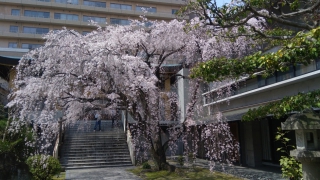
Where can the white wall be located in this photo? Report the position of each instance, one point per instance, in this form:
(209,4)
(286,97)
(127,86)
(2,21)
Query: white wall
(183,90)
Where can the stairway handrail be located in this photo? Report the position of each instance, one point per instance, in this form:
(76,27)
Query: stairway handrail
(57,145)
(131,147)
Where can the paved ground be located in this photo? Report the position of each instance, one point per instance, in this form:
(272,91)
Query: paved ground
(114,173)
(261,173)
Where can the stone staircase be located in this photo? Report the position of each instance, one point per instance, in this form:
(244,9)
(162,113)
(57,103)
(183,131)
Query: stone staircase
(84,148)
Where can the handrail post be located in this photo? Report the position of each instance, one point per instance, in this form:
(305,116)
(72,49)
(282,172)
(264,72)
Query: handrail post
(60,130)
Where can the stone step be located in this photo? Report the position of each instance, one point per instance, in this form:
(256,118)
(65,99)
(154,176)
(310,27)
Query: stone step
(94,139)
(96,153)
(95,163)
(109,160)
(91,131)
(84,148)
(115,138)
(69,167)
(91,152)
(74,148)
(97,159)
(70,147)
(95,144)
(126,155)
(97,133)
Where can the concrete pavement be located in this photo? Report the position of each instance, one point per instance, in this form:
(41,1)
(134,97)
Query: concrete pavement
(112,173)
(122,173)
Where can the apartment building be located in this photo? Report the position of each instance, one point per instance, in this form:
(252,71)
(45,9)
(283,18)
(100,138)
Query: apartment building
(22,22)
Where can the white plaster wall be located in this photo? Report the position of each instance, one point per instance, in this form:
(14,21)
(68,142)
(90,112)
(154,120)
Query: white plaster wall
(183,90)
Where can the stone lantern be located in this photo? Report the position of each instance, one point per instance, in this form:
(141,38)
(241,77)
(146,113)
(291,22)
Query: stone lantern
(307,131)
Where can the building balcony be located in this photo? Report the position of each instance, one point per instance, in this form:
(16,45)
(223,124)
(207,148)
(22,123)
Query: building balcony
(12,18)
(83,8)
(162,2)
(20,35)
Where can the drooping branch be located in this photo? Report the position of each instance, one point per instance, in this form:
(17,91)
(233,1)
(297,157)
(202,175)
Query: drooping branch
(297,15)
(283,21)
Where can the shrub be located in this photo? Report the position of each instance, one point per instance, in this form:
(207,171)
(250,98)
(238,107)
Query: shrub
(146,165)
(43,167)
(180,160)
(14,148)
(290,167)
(191,157)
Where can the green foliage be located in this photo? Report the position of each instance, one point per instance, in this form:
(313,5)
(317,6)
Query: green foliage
(3,120)
(13,149)
(278,109)
(302,49)
(146,165)
(191,157)
(290,167)
(43,167)
(180,160)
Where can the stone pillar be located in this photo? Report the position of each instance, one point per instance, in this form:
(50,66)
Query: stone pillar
(307,129)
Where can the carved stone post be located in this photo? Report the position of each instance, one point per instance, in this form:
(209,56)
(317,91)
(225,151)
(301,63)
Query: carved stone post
(307,130)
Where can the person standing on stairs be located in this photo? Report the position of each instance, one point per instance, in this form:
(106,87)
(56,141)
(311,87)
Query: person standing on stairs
(97,117)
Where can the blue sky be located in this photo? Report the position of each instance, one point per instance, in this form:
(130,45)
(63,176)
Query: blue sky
(221,2)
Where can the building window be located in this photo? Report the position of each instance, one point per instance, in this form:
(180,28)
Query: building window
(15,12)
(44,0)
(30,46)
(34,30)
(38,14)
(85,32)
(94,3)
(67,1)
(70,17)
(174,11)
(119,21)
(14,29)
(93,18)
(144,8)
(12,45)
(148,24)
(120,6)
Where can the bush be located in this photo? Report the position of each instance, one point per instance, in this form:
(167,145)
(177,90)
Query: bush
(14,149)
(191,157)
(290,167)
(146,165)
(180,160)
(43,167)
